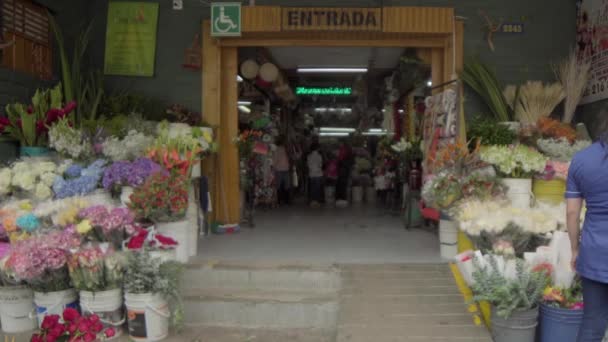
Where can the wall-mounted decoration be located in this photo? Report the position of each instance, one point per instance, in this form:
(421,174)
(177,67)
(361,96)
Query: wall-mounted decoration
(269,72)
(131,38)
(592,46)
(491,27)
(250,69)
(192,56)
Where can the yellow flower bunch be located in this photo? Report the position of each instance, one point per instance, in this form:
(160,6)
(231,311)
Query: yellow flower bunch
(84,227)
(70,214)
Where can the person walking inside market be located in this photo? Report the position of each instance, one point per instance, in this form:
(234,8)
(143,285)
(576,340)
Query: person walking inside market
(281,168)
(315,175)
(345,162)
(588,182)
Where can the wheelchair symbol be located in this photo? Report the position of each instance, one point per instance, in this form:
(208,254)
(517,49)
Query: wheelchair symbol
(224,24)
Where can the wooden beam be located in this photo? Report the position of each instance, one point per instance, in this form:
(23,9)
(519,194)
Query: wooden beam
(399,42)
(437,68)
(228,207)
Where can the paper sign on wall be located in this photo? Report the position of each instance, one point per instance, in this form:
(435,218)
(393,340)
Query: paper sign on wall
(131,38)
(592,45)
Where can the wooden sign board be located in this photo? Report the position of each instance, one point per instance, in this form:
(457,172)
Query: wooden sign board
(331,19)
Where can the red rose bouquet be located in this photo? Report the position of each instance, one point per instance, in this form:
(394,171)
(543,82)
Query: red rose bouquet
(74,328)
(162,198)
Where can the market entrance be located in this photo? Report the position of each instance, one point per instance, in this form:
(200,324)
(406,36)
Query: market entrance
(433,33)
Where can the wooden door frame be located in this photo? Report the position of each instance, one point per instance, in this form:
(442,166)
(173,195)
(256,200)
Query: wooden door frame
(435,32)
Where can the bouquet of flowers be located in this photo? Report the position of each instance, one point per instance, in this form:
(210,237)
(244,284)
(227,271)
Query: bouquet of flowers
(33,179)
(555,170)
(150,240)
(73,328)
(442,191)
(61,212)
(182,115)
(132,146)
(133,174)
(96,268)
(568,298)
(455,157)
(482,186)
(162,198)
(69,141)
(29,124)
(551,128)
(561,149)
(101,224)
(80,181)
(176,153)
(514,161)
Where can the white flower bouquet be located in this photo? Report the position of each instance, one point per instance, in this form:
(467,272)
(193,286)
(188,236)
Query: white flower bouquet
(514,161)
(132,146)
(561,149)
(69,142)
(31,178)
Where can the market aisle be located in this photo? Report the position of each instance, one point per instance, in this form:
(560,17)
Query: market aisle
(356,235)
(404,303)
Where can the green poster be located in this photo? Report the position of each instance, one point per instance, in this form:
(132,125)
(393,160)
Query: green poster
(131,38)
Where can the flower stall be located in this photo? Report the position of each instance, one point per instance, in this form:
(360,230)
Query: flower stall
(518,269)
(94,222)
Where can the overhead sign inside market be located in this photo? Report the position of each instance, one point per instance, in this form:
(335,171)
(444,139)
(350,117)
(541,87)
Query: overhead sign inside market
(332,19)
(226,19)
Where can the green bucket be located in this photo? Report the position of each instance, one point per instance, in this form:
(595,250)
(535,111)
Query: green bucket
(33,151)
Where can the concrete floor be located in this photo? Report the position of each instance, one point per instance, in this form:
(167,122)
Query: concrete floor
(362,235)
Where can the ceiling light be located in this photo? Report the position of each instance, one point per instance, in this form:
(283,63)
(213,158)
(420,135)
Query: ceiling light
(332,70)
(325,109)
(244,103)
(337,129)
(245,109)
(429,83)
(376,130)
(334,134)
(400,110)
(239,78)
(374,133)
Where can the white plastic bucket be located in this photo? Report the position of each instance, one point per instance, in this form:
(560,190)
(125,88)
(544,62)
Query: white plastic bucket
(147,316)
(357,193)
(180,232)
(519,192)
(107,305)
(17,309)
(448,239)
(53,303)
(125,195)
(370,195)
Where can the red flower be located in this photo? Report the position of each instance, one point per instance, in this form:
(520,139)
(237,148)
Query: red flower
(58,330)
(70,315)
(50,321)
(97,327)
(51,338)
(84,326)
(110,332)
(30,109)
(89,337)
(40,127)
(72,328)
(36,338)
(69,107)
(165,240)
(93,318)
(136,242)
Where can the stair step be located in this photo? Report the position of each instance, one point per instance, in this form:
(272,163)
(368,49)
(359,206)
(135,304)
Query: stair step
(261,277)
(261,309)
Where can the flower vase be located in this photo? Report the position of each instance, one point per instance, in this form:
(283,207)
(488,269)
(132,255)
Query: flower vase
(551,191)
(519,327)
(180,232)
(519,192)
(34,151)
(125,195)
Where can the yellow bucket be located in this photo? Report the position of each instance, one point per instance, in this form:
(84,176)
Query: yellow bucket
(549,191)
(484,307)
(464,243)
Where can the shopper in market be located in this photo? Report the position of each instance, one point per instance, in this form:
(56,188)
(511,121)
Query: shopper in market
(588,182)
(315,175)
(345,163)
(281,168)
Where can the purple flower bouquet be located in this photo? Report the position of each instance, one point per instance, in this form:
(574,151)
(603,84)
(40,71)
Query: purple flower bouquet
(133,174)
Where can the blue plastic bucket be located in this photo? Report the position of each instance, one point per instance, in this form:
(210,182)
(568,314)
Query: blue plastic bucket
(33,151)
(558,325)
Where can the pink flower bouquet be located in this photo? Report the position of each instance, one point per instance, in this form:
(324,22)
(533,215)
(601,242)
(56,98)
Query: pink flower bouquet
(106,225)
(96,268)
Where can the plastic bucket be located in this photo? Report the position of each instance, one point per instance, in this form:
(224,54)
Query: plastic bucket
(105,304)
(448,239)
(53,303)
(519,192)
(33,151)
(558,325)
(357,193)
(178,231)
(549,191)
(370,195)
(519,327)
(16,309)
(147,316)
(330,195)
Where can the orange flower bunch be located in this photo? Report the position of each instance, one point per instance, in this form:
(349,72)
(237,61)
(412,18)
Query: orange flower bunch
(251,133)
(454,155)
(551,128)
(172,160)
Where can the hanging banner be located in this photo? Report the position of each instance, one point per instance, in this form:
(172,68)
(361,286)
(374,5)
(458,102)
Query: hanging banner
(592,45)
(131,38)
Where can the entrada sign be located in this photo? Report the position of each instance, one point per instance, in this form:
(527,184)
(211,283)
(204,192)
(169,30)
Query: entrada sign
(334,19)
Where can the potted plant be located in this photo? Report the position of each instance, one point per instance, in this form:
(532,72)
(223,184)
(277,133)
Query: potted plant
(29,124)
(517,164)
(561,313)
(489,132)
(163,199)
(151,288)
(514,301)
(97,273)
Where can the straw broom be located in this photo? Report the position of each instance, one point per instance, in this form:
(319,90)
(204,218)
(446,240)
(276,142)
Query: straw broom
(573,77)
(535,100)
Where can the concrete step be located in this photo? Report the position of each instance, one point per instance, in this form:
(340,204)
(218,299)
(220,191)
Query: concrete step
(257,276)
(261,309)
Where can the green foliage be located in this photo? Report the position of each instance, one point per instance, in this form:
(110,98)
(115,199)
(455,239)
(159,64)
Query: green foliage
(123,103)
(508,296)
(484,82)
(490,132)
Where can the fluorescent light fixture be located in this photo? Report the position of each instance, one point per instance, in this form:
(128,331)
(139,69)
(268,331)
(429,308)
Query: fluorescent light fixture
(325,109)
(337,129)
(245,109)
(400,110)
(244,103)
(332,70)
(239,78)
(429,83)
(376,130)
(334,134)
(374,133)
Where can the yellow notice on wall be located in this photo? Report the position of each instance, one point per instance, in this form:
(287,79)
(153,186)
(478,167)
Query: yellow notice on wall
(131,38)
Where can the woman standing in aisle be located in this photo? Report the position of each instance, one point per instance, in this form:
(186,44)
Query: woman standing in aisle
(588,181)
(281,168)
